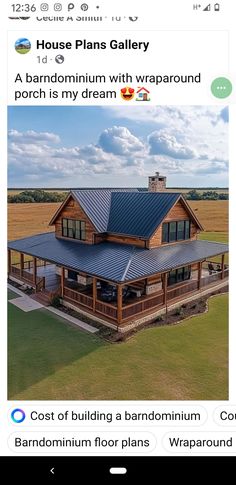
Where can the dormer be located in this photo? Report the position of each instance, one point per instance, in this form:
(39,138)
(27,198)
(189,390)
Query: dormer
(72,222)
(142,219)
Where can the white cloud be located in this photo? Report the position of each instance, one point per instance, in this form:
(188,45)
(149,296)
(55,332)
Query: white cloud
(119,141)
(31,136)
(184,142)
(177,117)
(164,144)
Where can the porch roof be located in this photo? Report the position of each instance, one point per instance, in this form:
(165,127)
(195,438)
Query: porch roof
(116,262)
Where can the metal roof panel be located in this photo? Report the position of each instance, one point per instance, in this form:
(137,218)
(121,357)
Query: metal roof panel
(116,262)
(96,204)
(139,214)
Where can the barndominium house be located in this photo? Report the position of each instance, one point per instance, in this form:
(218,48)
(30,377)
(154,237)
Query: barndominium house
(120,256)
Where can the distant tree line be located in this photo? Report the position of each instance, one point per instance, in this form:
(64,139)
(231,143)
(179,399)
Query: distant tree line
(37,195)
(40,195)
(207,195)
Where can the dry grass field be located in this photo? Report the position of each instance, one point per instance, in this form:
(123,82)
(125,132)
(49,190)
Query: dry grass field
(29,219)
(213,214)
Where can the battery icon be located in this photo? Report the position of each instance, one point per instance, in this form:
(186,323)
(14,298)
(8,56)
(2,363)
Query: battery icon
(217,7)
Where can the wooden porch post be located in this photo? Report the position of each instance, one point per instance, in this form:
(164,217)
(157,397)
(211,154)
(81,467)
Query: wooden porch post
(62,281)
(94,293)
(222,266)
(165,288)
(34,271)
(199,279)
(21,264)
(119,304)
(9,260)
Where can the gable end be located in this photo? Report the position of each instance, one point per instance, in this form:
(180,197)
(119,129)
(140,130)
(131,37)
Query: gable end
(71,209)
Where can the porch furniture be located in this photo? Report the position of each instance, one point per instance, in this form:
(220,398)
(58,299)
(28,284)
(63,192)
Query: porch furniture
(211,269)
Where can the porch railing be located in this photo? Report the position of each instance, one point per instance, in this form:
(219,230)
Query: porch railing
(40,285)
(142,305)
(24,276)
(226,273)
(207,280)
(101,307)
(181,289)
(106,309)
(77,297)
(30,264)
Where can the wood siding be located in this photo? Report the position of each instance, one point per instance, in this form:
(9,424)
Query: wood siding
(120,239)
(72,210)
(177,213)
(152,280)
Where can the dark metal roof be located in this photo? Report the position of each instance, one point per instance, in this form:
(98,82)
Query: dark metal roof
(166,258)
(126,211)
(96,204)
(139,214)
(116,262)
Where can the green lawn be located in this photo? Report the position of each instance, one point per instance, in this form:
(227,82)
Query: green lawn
(214,236)
(11,294)
(48,359)
(222,237)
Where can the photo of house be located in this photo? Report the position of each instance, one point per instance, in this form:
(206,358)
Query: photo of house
(121,256)
(117,253)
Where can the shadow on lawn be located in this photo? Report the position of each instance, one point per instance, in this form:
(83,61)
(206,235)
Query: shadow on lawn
(36,347)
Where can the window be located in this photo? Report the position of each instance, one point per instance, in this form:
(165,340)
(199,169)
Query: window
(77,230)
(172,231)
(178,275)
(83,230)
(64,228)
(180,230)
(187,273)
(171,278)
(70,227)
(175,231)
(187,229)
(74,229)
(72,275)
(165,232)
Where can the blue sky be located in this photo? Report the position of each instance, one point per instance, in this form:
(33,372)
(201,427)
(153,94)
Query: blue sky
(117,146)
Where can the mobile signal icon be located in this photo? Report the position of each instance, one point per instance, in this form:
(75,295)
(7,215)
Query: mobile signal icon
(207,8)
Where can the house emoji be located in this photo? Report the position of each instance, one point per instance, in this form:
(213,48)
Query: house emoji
(143,94)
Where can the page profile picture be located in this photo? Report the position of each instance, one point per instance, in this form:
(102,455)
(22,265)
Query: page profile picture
(22,45)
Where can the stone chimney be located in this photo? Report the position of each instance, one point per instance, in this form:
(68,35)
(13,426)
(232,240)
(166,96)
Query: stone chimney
(157,183)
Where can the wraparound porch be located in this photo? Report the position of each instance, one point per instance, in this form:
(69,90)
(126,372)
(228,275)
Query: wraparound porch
(117,303)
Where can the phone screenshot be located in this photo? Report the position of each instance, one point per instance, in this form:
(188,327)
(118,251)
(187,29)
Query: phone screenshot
(117,353)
